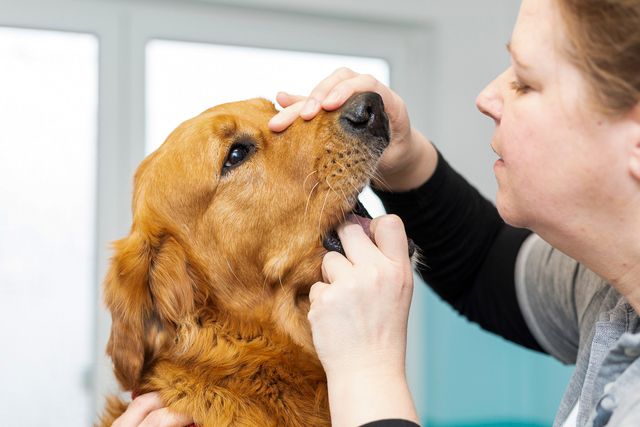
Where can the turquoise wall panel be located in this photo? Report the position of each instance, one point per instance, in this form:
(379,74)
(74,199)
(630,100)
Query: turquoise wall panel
(474,378)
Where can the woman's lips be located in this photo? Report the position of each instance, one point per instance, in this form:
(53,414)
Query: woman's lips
(495,150)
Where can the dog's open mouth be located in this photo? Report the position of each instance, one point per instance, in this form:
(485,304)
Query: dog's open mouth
(359,214)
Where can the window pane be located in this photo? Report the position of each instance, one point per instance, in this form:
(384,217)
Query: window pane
(48,112)
(185,78)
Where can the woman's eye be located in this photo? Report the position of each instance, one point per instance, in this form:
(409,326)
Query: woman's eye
(520,88)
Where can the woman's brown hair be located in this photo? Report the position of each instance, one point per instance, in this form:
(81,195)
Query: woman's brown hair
(604,42)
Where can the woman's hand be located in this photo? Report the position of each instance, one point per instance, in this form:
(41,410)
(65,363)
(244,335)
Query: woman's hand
(148,410)
(359,319)
(408,161)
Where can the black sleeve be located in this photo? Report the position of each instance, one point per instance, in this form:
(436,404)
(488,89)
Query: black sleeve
(391,423)
(468,253)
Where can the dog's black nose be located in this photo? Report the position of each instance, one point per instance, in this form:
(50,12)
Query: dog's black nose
(363,114)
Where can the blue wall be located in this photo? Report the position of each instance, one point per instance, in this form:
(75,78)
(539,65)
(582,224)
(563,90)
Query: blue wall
(474,378)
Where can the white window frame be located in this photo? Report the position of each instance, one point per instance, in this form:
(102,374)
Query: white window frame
(123,30)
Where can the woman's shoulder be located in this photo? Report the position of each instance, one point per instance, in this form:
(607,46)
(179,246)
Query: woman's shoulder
(560,275)
(561,299)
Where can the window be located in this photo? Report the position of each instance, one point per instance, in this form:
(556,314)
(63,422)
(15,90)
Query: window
(48,114)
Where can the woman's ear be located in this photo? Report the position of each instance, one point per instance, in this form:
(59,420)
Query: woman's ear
(149,291)
(634,158)
(634,162)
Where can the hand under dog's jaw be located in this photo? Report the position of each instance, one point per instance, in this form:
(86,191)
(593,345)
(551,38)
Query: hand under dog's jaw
(359,215)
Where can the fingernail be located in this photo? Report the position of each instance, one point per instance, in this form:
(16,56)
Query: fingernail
(348,227)
(309,107)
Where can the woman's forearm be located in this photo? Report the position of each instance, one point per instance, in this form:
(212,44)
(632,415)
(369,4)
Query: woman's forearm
(358,397)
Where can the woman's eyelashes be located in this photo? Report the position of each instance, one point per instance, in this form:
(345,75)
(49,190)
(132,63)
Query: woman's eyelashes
(519,87)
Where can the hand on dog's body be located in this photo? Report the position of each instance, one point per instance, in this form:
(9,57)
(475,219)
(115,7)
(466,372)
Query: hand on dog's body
(148,410)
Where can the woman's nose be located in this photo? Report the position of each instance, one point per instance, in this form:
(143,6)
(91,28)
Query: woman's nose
(490,100)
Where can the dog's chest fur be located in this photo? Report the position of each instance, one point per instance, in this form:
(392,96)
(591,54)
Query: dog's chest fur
(256,378)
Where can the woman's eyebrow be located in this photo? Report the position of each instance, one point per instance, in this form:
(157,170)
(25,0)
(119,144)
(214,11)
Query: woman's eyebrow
(515,56)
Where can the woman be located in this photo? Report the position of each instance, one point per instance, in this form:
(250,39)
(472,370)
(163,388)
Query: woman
(567,116)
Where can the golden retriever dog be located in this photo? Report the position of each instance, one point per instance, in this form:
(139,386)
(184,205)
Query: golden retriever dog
(209,291)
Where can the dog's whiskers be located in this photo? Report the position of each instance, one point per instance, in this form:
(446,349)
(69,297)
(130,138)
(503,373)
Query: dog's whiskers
(305,180)
(344,215)
(336,193)
(306,206)
(322,210)
(380,180)
(357,191)
(341,165)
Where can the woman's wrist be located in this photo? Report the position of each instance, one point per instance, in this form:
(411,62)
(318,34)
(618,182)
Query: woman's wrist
(360,396)
(415,169)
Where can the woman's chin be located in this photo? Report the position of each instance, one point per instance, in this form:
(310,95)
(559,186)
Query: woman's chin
(508,212)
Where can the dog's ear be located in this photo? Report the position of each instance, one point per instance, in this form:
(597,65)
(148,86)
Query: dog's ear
(148,290)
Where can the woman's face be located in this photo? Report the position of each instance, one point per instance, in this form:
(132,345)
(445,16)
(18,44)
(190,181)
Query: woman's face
(556,153)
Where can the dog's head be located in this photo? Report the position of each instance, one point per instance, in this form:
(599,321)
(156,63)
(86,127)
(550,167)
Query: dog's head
(229,220)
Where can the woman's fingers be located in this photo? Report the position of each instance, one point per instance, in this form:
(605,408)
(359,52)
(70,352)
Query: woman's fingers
(305,107)
(322,89)
(330,94)
(148,410)
(284,118)
(139,409)
(335,266)
(285,99)
(390,237)
(342,90)
(356,244)
(165,418)
(317,289)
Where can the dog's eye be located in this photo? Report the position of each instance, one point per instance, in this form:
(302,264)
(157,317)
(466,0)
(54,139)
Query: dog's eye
(237,154)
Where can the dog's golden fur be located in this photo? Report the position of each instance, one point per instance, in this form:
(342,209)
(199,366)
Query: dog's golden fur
(209,291)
